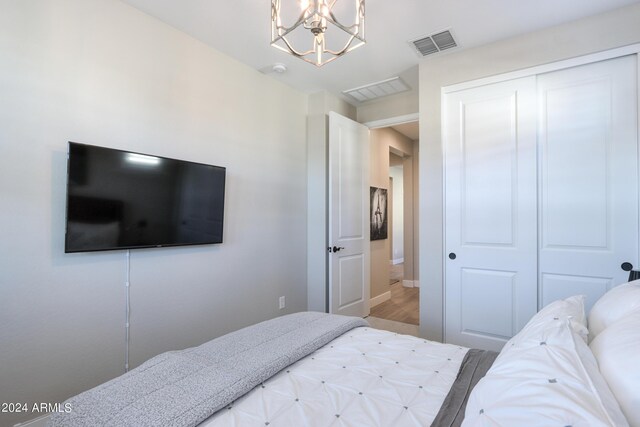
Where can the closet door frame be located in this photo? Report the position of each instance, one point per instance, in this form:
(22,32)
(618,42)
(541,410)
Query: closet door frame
(633,49)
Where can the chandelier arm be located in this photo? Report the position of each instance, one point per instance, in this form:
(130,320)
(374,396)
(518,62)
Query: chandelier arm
(283,31)
(297,54)
(330,6)
(349,30)
(293,51)
(342,51)
(332,17)
(353,30)
(359,13)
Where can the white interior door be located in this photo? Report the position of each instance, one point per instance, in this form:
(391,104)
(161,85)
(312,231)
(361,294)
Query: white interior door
(348,239)
(588,178)
(491,212)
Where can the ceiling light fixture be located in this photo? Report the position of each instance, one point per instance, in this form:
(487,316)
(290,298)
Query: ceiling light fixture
(316,16)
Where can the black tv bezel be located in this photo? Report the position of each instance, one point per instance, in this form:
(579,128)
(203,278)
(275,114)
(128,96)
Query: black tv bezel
(126,248)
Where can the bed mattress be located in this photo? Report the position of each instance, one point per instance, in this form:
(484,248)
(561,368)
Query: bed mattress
(366,377)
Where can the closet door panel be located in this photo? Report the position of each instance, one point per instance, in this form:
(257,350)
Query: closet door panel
(488,143)
(560,286)
(588,178)
(490,188)
(575,165)
(476,285)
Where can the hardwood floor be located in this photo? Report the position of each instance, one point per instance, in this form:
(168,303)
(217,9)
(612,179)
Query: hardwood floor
(392,326)
(404,305)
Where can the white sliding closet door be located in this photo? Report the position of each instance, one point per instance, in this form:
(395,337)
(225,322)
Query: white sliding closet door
(588,176)
(491,212)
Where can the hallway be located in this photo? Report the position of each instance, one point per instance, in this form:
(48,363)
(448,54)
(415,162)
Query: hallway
(404,305)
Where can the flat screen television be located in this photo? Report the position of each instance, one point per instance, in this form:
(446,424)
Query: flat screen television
(124,200)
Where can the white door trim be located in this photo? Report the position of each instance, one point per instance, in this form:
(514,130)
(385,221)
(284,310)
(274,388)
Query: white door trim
(637,266)
(546,68)
(393,121)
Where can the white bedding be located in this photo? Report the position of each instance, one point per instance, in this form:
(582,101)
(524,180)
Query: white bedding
(365,377)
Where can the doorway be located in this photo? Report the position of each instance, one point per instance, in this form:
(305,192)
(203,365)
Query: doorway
(394,280)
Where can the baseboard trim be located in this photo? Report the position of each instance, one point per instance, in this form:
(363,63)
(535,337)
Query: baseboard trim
(380,299)
(36,422)
(411,283)
(397,261)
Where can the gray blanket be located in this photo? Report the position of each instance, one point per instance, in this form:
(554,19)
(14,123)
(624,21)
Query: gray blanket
(474,366)
(183,388)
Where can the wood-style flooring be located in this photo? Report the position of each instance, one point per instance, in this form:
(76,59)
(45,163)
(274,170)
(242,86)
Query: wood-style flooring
(404,305)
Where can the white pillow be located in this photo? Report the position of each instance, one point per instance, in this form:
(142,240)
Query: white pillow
(554,382)
(558,312)
(617,350)
(614,305)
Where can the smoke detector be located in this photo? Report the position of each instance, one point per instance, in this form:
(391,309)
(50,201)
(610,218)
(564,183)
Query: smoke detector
(279,68)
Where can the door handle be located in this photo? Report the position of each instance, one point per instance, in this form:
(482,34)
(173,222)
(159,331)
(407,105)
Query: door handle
(626,266)
(452,256)
(335,249)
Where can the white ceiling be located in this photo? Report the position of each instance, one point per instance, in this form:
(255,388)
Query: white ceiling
(241,29)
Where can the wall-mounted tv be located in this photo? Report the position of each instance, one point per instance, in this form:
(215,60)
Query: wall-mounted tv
(124,200)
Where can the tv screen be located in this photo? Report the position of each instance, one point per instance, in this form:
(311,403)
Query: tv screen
(125,200)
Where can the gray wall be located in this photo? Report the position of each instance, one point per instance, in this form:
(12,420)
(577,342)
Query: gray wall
(614,29)
(100,72)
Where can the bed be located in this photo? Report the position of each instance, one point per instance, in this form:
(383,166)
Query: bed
(315,369)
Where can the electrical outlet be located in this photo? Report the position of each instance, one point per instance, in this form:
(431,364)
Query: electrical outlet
(281,302)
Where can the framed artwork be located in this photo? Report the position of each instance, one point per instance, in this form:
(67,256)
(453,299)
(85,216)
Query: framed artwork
(378,213)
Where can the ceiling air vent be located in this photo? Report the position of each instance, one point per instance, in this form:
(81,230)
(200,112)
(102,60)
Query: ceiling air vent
(434,43)
(377,90)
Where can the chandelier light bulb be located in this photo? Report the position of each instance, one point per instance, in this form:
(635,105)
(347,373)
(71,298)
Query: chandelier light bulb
(325,10)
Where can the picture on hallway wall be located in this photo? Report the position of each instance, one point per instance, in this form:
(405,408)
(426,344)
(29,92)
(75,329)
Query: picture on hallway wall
(378,211)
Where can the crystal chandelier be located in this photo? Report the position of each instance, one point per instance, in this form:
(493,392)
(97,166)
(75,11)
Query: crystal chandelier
(292,24)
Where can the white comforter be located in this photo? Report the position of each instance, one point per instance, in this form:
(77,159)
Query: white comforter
(366,377)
